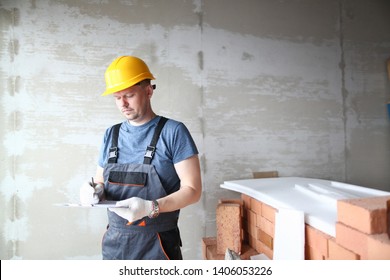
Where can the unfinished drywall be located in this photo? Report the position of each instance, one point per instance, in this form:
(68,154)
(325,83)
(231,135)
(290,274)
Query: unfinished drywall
(296,86)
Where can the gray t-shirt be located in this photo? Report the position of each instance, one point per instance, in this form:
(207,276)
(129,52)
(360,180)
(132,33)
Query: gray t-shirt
(174,145)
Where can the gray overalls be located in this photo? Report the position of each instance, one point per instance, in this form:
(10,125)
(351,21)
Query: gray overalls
(141,239)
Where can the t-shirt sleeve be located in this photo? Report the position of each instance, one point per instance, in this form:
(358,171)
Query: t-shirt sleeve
(103,149)
(183,144)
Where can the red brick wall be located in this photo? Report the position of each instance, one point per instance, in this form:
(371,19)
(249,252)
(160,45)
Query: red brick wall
(361,230)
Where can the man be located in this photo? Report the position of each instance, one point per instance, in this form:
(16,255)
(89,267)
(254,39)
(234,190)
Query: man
(148,164)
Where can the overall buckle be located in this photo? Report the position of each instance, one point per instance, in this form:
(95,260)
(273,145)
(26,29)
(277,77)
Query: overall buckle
(113,152)
(149,152)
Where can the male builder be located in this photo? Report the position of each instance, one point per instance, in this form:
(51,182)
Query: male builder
(148,164)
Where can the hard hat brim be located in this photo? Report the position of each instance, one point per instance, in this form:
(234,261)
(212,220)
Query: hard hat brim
(128,84)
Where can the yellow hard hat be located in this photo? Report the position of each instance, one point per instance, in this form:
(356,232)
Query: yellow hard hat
(124,72)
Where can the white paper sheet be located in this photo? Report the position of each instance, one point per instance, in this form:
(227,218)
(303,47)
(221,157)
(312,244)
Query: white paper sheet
(101,204)
(289,240)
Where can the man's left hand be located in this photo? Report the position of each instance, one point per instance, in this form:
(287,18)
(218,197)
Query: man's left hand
(136,208)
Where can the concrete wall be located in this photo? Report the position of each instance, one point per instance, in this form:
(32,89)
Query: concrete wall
(296,86)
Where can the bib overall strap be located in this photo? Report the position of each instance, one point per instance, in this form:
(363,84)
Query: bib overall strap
(152,147)
(113,154)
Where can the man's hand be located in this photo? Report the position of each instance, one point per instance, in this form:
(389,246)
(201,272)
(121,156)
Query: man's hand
(136,208)
(91,193)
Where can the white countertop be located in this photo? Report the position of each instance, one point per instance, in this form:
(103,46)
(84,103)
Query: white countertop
(317,198)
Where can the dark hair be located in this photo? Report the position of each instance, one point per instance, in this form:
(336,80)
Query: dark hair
(145,82)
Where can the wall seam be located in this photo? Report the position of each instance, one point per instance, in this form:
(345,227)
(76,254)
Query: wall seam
(13,157)
(344,92)
(202,104)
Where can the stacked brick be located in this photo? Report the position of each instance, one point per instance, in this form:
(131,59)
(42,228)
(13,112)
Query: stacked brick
(245,226)
(229,226)
(229,219)
(362,231)
(259,225)
(362,227)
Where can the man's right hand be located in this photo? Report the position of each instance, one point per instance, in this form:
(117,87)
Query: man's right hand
(90,194)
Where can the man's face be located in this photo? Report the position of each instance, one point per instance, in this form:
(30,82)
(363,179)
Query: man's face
(134,102)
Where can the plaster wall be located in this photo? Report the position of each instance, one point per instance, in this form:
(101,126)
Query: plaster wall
(295,86)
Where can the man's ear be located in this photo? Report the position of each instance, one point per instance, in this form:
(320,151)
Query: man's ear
(149,90)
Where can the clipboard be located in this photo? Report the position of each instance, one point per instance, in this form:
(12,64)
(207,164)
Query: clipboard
(101,204)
